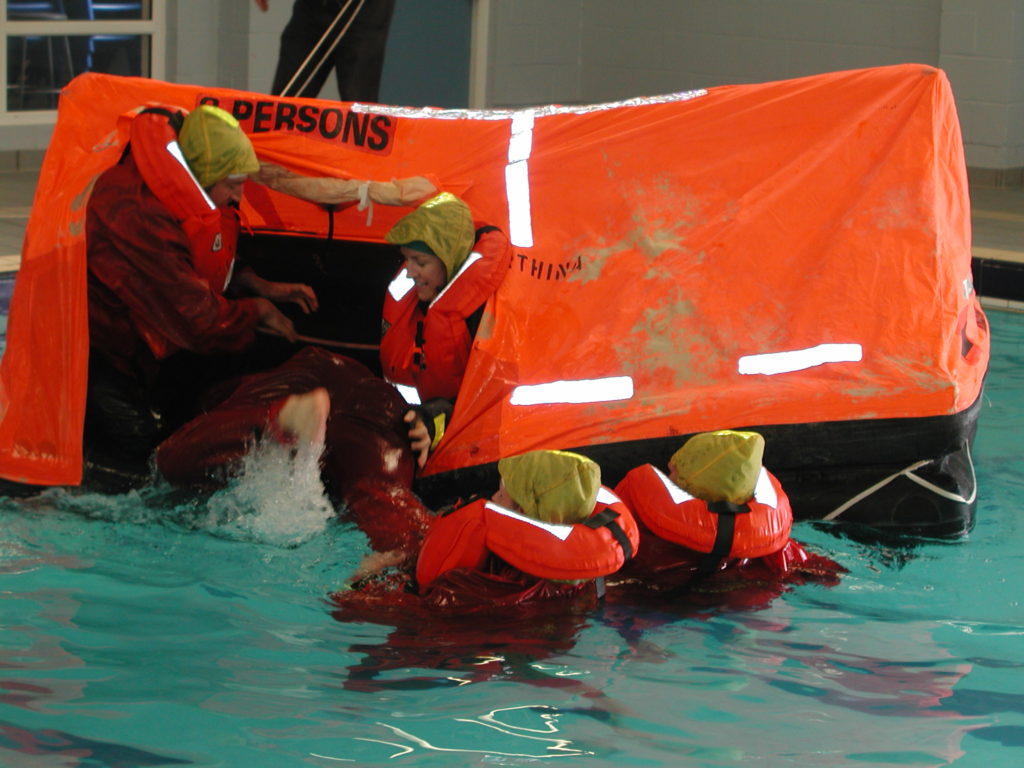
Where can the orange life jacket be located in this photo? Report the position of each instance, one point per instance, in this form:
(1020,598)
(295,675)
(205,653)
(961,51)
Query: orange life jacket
(588,550)
(758,528)
(212,231)
(428,349)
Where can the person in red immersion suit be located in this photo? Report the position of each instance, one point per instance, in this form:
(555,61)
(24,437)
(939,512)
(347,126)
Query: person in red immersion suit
(160,326)
(329,400)
(551,531)
(433,307)
(718,519)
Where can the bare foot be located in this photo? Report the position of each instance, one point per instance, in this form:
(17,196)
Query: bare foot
(305,416)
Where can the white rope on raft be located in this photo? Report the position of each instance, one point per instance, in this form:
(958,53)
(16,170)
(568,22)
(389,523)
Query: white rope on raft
(908,472)
(324,342)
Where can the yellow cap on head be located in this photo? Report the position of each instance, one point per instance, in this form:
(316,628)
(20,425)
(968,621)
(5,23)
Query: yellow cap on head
(215,146)
(445,224)
(552,486)
(720,466)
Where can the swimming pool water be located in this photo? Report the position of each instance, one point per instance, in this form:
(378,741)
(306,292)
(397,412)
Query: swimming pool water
(150,629)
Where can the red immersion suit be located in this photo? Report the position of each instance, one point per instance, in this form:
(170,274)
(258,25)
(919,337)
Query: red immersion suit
(367,461)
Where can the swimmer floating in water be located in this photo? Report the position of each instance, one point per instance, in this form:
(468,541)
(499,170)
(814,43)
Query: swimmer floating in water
(719,513)
(551,530)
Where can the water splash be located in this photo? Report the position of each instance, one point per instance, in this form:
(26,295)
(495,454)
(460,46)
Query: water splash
(277,498)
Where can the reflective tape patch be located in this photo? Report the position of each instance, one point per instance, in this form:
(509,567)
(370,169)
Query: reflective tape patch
(175,149)
(800,359)
(559,531)
(577,391)
(401,285)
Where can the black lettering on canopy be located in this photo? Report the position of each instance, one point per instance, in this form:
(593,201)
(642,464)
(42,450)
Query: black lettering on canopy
(327,130)
(285,118)
(308,115)
(355,127)
(363,131)
(379,126)
(264,116)
(241,110)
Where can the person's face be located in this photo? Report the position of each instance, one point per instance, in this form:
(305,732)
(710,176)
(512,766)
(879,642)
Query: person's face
(673,475)
(227,192)
(502,498)
(426,271)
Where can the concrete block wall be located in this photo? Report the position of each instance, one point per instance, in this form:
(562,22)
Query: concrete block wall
(601,50)
(580,51)
(982,51)
(226,43)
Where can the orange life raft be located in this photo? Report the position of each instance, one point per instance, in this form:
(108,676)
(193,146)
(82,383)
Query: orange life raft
(644,233)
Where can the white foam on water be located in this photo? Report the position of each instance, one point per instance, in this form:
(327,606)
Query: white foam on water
(276,498)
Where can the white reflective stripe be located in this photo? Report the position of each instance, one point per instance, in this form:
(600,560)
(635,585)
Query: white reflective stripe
(175,152)
(472,259)
(578,391)
(764,491)
(517,179)
(678,494)
(800,359)
(605,496)
(400,285)
(520,146)
(517,187)
(411,394)
(230,274)
(559,531)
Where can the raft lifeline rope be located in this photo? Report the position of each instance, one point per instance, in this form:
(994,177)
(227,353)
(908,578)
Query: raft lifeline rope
(326,54)
(365,202)
(908,473)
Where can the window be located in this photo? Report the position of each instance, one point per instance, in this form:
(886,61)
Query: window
(45,43)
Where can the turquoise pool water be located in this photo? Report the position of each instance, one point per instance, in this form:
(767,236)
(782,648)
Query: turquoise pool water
(145,630)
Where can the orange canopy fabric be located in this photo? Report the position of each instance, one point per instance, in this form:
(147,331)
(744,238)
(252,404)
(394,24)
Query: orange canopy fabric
(788,252)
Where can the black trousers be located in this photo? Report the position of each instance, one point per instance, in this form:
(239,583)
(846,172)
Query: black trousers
(358,59)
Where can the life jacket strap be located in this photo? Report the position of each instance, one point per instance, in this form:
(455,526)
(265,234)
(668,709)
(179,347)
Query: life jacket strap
(727,512)
(607,518)
(176,118)
(417,354)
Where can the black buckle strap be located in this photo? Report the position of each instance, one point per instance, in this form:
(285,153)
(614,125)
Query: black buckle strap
(607,518)
(417,356)
(175,117)
(727,512)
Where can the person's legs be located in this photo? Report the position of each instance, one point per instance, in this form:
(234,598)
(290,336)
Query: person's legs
(120,425)
(367,462)
(286,403)
(309,20)
(359,58)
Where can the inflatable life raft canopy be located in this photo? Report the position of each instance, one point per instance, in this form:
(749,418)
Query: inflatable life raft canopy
(792,257)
